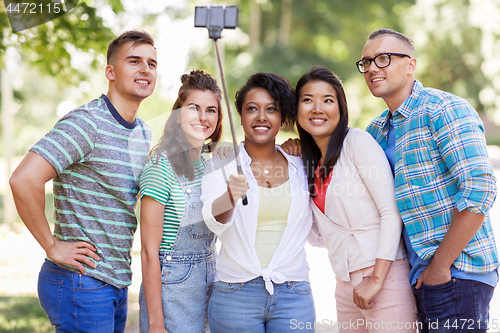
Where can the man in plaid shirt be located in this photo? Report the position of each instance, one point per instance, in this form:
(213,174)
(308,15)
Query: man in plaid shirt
(444,183)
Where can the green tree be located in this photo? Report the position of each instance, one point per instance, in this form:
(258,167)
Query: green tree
(287,37)
(457,43)
(45,47)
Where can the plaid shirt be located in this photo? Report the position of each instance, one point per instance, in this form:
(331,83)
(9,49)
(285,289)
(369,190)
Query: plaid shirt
(441,163)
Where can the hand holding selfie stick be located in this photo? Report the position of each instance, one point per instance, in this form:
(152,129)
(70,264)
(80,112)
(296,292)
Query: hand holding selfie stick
(216,18)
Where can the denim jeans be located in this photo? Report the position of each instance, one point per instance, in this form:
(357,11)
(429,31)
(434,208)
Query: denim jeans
(187,272)
(77,303)
(248,307)
(455,306)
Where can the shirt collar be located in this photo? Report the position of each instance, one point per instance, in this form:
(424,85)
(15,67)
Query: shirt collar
(404,109)
(117,115)
(409,104)
(383,123)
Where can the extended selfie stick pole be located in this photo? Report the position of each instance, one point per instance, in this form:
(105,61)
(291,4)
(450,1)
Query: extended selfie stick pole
(216,18)
(229,113)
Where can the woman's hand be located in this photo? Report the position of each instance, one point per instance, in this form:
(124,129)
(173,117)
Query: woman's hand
(223,152)
(292,147)
(364,292)
(237,186)
(223,206)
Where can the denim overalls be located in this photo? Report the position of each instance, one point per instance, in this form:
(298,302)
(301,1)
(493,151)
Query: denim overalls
(187,271)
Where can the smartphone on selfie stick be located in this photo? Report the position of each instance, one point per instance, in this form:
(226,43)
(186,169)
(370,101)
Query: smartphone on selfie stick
(216,18)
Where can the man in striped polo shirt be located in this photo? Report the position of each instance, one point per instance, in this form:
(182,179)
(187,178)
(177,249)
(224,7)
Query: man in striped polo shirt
(94,155)
(445,187)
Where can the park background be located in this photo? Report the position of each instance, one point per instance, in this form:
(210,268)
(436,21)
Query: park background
(50,69)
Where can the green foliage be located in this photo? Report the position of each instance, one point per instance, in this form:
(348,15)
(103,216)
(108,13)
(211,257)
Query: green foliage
(49,49)
(327,33)
(450,45)
(116,5)
(322,33)
(457,43)
(451,56)
(45,46)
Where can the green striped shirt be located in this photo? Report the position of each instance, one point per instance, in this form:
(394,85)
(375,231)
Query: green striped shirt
(159,181)
(99,158)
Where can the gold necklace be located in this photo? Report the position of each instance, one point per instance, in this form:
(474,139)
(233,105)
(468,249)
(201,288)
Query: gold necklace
(266,171)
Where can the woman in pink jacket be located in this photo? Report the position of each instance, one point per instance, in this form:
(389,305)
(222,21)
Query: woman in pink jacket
(352,197)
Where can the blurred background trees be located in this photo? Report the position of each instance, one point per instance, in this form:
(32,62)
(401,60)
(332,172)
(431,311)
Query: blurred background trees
(456,42)
(57,66)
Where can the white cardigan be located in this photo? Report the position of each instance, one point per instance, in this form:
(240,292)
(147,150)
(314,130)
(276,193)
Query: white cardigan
(238,260)
(361,221)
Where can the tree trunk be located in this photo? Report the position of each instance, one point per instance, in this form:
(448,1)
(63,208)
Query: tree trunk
(255,19)
(9,211)
(286,23)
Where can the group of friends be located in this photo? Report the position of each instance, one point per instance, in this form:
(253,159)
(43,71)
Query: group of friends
(402,207)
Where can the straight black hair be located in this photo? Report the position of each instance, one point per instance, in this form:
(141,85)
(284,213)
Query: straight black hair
(311,154)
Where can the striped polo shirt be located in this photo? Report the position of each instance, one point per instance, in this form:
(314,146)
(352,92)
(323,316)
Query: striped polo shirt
(99,158)
(159,181)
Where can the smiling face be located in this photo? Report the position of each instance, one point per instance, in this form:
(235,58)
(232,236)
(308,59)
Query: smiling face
(260,117)
(393,83)
(133,71)
(318,111)
(199,116)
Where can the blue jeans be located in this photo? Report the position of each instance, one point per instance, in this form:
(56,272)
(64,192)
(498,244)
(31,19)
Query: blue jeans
(248,307)
(455,306)
(77,303)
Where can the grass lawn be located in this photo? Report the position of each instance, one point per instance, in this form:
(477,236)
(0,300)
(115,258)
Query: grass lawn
(23,314)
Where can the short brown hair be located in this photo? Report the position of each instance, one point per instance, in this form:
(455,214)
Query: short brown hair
(398,35)
(134,36)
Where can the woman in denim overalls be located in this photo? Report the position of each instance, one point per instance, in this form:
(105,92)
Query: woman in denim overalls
(176,288)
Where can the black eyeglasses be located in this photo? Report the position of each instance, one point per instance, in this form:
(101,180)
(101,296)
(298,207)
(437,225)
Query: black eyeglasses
(381,61)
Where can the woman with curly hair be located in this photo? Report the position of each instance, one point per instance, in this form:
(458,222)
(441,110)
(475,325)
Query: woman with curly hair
(261,282)
(176,286)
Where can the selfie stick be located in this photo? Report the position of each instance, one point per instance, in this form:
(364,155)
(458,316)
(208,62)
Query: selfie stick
(215,16)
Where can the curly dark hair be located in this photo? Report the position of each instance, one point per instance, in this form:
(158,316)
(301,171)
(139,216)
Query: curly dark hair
(280,90)
(311,155)
(173,140)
